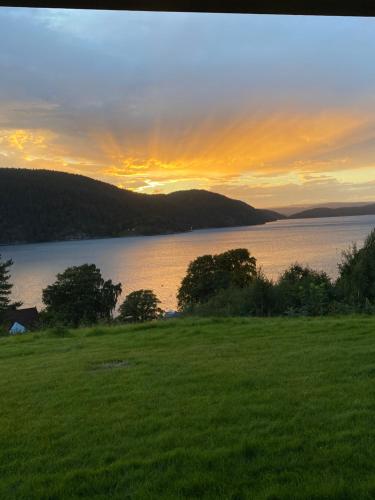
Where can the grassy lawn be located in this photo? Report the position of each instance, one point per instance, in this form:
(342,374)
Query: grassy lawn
(234,409)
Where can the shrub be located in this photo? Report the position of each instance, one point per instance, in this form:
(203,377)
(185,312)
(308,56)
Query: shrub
(257,299)
(141,305)
(356,282)
(303,291)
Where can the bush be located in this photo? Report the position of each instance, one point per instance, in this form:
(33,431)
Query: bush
(257,299)
(141,305)
(303,291)
(229,302)
(356,282)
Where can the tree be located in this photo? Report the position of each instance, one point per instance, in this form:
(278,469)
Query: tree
(303,290)
(256,299)
(356,282)
(209,274)
(141,305)
(80,295)
(262,296)
(6,289)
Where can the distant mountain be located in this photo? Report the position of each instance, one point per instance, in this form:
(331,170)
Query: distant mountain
(43,205)
(293,209)
(271,214)
(334,212)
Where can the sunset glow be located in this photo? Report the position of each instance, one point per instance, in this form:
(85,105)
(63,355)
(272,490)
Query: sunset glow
(274,111)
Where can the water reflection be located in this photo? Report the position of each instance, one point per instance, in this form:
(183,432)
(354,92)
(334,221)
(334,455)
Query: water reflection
(160,262)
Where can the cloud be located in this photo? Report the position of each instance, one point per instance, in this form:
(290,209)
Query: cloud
(294,193)
(163,101)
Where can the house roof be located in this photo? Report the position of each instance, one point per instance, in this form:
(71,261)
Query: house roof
(27,317)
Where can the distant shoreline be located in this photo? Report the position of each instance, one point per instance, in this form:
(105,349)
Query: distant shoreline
(99,238)
(94,238)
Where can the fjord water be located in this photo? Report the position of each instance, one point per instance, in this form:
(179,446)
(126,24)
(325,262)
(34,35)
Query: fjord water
(159,262)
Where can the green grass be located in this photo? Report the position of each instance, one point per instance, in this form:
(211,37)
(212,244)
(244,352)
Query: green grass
(232,409)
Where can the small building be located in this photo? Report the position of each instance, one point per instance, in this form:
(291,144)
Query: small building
(22,320)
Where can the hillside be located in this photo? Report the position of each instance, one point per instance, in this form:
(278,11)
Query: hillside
(213,409)
(42,205)
(297,208)
(334,212)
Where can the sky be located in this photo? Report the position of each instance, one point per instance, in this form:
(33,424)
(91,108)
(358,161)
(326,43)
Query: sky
(273,110)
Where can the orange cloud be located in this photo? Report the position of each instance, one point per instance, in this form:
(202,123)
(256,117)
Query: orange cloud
(258,151)
(23,139)
(244,144)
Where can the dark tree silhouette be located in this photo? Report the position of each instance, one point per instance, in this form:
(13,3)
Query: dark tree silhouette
(141,305)
(303,290)
(80,296)
(6,289)
(209,274)
(356,281)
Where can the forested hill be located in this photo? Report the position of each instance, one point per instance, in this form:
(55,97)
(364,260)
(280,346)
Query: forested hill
(334,212)
(43,205)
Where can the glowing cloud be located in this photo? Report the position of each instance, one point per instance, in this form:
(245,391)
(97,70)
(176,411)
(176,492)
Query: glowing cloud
(261,108)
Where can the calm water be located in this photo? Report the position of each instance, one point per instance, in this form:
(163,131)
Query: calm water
(160,262)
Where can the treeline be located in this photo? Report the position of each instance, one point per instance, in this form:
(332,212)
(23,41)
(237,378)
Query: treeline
(230,284)
(42,205)
(227,284)
(81,297)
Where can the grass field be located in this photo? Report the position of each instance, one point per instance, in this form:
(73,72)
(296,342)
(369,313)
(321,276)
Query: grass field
(232,409)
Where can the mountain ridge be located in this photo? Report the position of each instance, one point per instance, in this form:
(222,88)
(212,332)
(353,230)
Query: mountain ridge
(44,205)
(323,212)
(288,210)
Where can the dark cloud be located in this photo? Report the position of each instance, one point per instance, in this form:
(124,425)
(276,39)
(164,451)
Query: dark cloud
(171,63)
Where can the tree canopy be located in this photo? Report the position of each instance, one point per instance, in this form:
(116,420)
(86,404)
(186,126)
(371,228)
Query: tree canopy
(80,295)
(141,305)
(209,274)
(301,289)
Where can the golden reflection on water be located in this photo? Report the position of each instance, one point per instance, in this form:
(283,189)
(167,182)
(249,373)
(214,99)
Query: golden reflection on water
(160,262)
